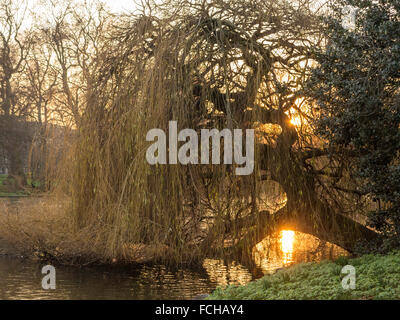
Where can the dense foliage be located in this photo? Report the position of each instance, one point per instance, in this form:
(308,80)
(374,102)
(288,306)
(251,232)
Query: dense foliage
(356,86)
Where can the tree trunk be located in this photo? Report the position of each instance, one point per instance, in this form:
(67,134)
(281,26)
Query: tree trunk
(15,135)
(304,212)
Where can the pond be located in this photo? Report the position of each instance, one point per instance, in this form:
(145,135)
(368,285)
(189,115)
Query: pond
(22,278)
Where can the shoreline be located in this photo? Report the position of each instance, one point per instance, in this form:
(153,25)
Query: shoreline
(377,277)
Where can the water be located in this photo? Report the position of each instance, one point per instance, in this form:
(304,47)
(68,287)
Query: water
(21,279)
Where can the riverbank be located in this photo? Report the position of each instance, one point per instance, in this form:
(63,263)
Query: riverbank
(45,229)
(377,277)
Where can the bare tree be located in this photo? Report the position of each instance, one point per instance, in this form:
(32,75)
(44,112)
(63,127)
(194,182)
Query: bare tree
(76,33)
(15,45)
(211,64)
(41,86)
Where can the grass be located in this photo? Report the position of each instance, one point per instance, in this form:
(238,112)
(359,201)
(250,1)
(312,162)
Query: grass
(13,194)
(2,178)
(43,229)
(377,277)
(5,192)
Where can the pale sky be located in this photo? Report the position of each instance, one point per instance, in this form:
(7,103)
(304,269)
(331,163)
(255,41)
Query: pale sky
(115,5)
(120,5)
(38,7)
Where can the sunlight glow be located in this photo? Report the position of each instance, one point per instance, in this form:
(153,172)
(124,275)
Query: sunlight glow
(287,240)
(296,121)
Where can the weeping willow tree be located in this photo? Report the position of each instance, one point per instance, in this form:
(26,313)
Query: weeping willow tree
(209,64)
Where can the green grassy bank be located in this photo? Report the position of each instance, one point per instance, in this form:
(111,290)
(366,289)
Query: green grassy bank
(377,277)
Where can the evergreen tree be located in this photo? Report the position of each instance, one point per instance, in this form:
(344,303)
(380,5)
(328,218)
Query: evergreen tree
(357,91)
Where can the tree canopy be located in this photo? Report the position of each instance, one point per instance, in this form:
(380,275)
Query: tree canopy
(356,86)
(322,99)
(213,64)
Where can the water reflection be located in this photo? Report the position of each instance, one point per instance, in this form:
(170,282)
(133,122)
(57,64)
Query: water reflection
(286,248)
(287,239)
(290,247)
(21,279)
(226,274)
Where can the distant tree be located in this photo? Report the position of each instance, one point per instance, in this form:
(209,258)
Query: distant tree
(15,45)
(357,89)
(59,72)
(40,81)
(75,32)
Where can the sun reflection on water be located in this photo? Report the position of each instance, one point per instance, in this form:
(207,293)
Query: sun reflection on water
(285,248)
(287,240)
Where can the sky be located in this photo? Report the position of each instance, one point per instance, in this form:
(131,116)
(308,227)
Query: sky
(120,5)
(36,7)
(114,5)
